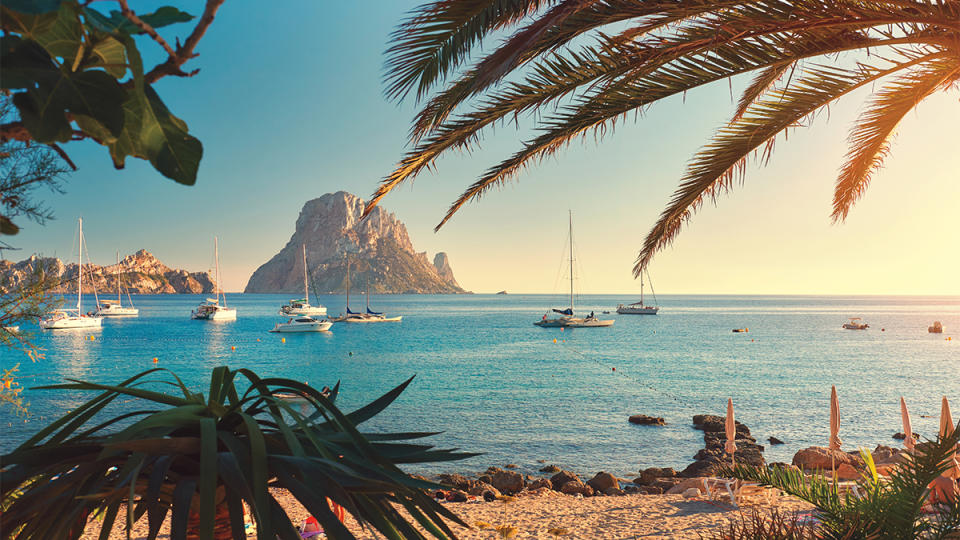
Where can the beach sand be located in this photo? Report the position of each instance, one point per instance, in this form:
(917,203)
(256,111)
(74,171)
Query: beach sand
(629,516)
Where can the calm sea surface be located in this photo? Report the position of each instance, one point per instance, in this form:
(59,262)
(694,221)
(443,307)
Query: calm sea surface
(494,383)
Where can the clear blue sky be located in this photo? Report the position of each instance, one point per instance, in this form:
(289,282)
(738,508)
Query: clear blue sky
(289,106)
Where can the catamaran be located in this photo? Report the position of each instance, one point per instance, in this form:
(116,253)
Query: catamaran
(567,318)
(109,308)
(302,306)
(639,308)
(62,319)
(370,316)
(211,310)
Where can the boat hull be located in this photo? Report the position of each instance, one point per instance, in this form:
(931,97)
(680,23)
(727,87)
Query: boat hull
(319,326)
(304,311)
(69,323)
(119,312)
(370,319)
(574,323)
(646,310)
(227,314)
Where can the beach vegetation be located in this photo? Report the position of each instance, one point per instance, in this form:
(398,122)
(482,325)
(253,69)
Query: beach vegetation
(200,459)
(576,69)
(895,507)
(74,72)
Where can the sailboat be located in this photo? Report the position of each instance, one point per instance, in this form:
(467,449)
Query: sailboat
(370,316)
(639,308)
(567,318)
(302,306)
(211,310)
(109,308)
(63,318)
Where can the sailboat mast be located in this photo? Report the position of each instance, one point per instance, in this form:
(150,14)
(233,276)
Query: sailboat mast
(118,278)
(306,294)
(80,267)
(641,288)
(348,282)
(571,259)
(368,293)
(216,256)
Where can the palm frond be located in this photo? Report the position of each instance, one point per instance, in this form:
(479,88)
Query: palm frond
(870,137)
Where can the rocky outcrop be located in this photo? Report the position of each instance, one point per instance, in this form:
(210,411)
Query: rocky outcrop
(712,456)
(140,273)
(378,249)
(644,420)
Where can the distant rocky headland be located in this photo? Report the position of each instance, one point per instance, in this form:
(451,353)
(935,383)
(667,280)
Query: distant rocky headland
(378,248)
(140,273)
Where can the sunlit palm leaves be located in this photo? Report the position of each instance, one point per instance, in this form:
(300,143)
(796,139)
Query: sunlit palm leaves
(580,66)
(173,452)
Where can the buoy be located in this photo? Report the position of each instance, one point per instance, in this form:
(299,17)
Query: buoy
(554,340)
(233,347)
(561,329)
(350,353)
(283,340)
(91,338)
(751,341)
(614,369)
(883,329)
(155,359)
(258,339)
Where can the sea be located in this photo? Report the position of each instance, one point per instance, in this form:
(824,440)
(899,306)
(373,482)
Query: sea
(491,382)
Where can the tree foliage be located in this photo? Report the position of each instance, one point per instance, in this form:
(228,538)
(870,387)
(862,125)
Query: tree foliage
(181,453)
(578,67)
(75,72)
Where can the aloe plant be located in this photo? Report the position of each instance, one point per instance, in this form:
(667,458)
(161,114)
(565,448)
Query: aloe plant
(887,508)
(169,453)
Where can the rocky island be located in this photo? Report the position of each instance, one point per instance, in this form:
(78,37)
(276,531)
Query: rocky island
(140,273)
(378,249)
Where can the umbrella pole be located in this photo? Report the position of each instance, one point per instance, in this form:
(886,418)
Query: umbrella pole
(833,470)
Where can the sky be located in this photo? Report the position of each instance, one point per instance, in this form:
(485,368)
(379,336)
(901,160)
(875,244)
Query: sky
(289,105)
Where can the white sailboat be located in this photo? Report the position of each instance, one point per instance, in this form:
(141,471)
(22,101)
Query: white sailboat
(302,306)
(63,319)
(639,308)
(109,308)
(211,310)
(567,318)
(370,316)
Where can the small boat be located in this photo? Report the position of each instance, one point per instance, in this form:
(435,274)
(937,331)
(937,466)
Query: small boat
(12,329)
(740,330)
(567,318)
(855,324)
(211,310)
(937,328)
(109,308)
(301,306)
(370,316)
(303,324)
(639,308)
(63,319)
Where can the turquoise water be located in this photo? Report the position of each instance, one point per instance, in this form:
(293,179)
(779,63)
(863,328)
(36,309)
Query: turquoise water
(494,383)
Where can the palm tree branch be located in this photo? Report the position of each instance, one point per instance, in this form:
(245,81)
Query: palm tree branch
(760,84)
(870,137)
(723,160)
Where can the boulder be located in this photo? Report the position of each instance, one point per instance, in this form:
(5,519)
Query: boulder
(774,440)
(574,487)
(539,483)
(455,495)
(886,454)
(703,467)
(685,485)
(650,475)
(456,480)
(508,482)
(650,490)
(666,483)
(481,488)
(550,469)
(511,466)
(710,422)
(644,420)
(819,458)
(485,478)
(603,481)
(845,471)
(691,493)
(613,492)
(561,478)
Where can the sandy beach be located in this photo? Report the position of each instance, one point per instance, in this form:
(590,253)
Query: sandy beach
(533,516)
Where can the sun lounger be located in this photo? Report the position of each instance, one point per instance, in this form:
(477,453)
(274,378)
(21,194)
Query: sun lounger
(738,491)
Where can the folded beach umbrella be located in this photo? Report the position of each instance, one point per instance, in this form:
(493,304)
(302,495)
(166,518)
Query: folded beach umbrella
(731,429)
(946,429)
(909,442)
(834,429)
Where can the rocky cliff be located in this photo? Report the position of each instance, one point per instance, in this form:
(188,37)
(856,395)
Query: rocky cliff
(140,273)
(378,249)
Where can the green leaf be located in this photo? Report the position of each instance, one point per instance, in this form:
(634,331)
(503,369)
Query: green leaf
(109,54)
(208,475)
(116,22)
(65,37)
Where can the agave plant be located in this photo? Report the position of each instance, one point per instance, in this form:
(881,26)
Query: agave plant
(579,66)
(887,508)
(200,459)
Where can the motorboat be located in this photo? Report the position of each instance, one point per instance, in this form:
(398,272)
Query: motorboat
(937,328)
(211,309)
(301,306)
(369,316)
(566,318)
(109,308)
(63,319)
(639,308)
(303,324)
(856,323)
